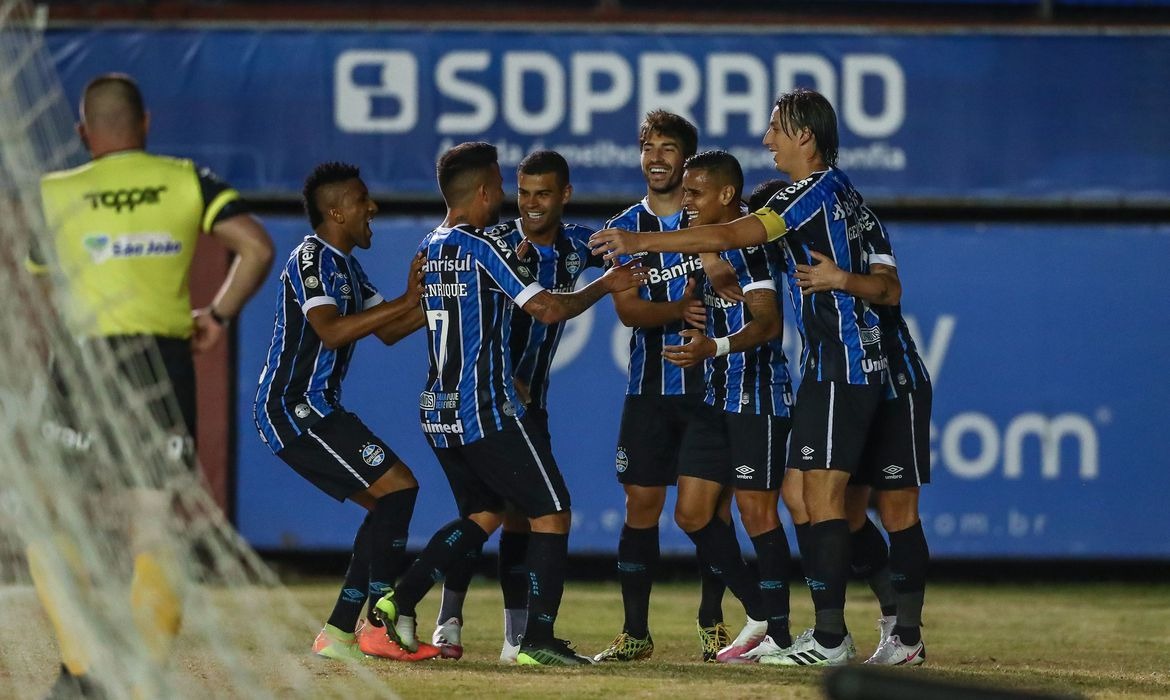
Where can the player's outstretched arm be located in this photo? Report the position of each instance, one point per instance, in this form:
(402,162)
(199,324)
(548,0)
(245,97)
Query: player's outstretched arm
(246,237)
(711,238)
(880,286)
(412,318)
(636,312)
(764,326)
(336,330)
(548,307)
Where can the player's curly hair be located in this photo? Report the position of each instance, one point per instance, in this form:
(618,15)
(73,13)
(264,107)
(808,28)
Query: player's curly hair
(808,109)
(672,126)
(322,175)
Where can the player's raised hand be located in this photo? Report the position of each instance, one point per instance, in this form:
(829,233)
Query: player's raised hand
(824,276)
(619,278)
(415,276)
(612,242)
(699,348)
(694,312)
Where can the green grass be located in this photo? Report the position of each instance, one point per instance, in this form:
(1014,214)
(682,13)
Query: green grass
(1098,640)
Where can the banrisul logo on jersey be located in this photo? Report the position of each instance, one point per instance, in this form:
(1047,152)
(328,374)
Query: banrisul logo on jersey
(102,247)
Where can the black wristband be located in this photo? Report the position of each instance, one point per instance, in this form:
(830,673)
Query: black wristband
(221,320)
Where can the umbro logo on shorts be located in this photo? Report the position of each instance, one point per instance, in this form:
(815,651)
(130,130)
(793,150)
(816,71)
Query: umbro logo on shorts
(745,472)
(892,471)
(807,451)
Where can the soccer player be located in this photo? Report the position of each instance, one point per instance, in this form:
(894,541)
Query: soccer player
(560,252)
(895,463)
(660,397)
(325,305)
(124,228)
(844,367)
(737,436)
(488,446)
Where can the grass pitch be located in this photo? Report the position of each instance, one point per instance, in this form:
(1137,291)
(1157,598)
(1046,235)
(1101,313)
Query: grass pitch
(1094,640)
(1097,640)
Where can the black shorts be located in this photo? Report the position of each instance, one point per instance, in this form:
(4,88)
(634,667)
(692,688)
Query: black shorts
(538,421)
(514,466)
(651,433)
(339,455)
(830,423)
(897,452)
(143,363)
(742,450)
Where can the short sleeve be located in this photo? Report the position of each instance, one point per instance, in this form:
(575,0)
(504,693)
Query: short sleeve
(876,240)
(370,295)
(220,201)
(755,273)
(306,275)
(496,255)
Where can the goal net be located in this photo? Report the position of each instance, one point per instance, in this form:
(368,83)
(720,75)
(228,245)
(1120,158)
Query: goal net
(88,480)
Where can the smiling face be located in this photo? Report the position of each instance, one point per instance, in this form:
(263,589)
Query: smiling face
(541,199)
(705,200)
(662,163)
(356,209)
(785,145)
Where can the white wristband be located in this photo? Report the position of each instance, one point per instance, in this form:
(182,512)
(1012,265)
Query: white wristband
(722,346)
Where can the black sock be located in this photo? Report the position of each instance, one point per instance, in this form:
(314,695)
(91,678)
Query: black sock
(909,561)
(546,575)
(871,559)
(718,548)
(775,564)
(389,527)
(513,570)
(637,559)
(830,574)
(805,549)
(455,586)
(451,543)
(354,590)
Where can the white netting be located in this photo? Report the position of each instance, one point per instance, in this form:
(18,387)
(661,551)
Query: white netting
(65,467)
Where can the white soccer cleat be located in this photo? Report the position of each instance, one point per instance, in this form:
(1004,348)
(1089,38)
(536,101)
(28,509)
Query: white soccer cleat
(753,632)
(893,652)
(509,652)
(766,647)
(805,651)
(447,637)
(886,627)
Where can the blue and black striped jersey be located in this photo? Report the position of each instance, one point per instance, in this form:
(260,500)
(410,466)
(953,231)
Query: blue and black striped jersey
(471,279)
(650,373)
(907,370)
(558,266)
(841,333)
(301,380)
(755,381)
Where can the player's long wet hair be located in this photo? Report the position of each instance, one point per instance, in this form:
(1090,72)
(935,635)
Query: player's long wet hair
(722,165)
(672,126)
(542,162)
(803,108)
(764,193)
(460,169)
(322,175)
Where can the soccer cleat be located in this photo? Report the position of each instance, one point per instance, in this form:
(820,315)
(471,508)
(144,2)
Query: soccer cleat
(333,643)
(399,628)
(766,647)
(892,652)
(509,652)
(446,637)
(627,648)
(753,632)
(555,652)
(886,627)
(376,641)
(712,639)
(805,651)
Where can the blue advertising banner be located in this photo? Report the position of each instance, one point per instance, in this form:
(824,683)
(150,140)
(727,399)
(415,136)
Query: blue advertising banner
(1015,117)
(1050,432)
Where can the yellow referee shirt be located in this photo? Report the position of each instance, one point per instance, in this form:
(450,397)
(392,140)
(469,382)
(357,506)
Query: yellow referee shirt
(124,228)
